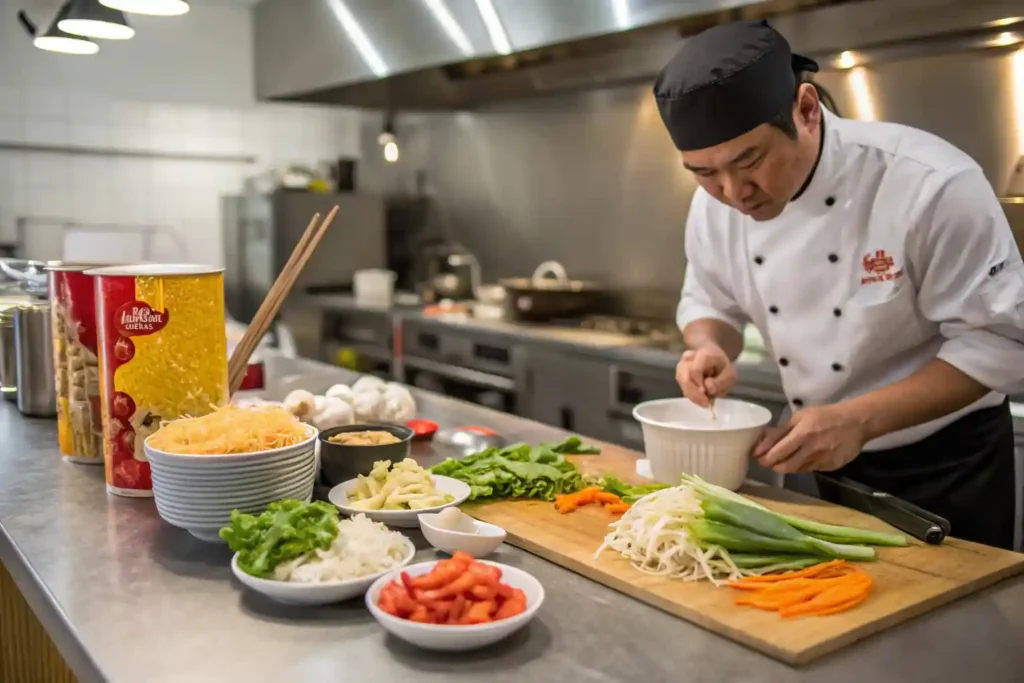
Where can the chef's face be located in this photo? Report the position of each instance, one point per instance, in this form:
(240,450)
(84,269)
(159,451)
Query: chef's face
(759,172)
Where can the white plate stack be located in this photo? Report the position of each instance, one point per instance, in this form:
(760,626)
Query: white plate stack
(198,492)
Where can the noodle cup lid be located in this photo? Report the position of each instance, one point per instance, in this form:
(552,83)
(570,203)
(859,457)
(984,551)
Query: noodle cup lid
(77,266)
(156,270)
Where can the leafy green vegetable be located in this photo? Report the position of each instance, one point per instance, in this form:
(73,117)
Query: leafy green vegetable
(285,530)
(830,533)
(627,492)
(519,471)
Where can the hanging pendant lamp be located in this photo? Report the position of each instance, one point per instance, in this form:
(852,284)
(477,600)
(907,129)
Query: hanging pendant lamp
(55,40)
(91,19)
(160,8)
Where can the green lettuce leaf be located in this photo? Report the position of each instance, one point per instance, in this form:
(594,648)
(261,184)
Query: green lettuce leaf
(519,470)
(285,530)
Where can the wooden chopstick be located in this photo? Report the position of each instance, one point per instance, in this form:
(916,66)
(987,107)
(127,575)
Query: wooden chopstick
(239,363)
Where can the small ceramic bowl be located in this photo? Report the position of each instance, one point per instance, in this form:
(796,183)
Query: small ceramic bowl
(340,462)
(484,542)
(457,638)
(400,518)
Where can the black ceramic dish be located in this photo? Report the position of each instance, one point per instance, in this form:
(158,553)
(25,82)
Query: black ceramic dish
(339,462)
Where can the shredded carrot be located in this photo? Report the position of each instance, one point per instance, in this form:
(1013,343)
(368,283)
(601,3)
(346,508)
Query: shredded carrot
(824,589)
(570,502)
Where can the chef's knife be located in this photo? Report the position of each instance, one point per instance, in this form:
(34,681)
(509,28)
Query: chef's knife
(907,517)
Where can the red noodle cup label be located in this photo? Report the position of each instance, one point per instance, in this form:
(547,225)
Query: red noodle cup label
(136,319)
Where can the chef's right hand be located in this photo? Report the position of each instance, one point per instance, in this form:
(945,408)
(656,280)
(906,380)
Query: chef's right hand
(705,374)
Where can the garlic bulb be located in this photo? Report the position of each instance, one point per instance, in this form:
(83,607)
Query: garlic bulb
(342,391)
(398,404)
(366,406)
(368,383)
(300,403)
(335,413)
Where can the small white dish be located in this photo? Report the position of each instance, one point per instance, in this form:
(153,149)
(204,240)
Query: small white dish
(444,638)
(400,518)
(316,593)
(484,542)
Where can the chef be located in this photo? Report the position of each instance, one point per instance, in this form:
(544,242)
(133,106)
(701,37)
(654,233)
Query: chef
(876,262)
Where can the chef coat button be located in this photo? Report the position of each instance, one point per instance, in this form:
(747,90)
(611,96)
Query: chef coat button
(758,260)
(798,403)
(783,362)
(837,367)
(832,258)
(773,309)
(837,312)
(829,201)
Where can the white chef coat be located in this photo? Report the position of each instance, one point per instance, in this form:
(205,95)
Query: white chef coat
(896,252)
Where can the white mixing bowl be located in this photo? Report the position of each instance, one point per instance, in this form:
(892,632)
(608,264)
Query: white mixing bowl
(680,436)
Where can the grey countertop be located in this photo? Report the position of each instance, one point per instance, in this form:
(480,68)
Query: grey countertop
(128,598)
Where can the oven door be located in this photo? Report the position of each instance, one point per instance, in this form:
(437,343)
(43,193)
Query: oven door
(481,388)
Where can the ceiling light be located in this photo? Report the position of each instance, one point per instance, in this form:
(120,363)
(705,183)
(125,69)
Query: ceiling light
(358,37)
(494,28)
(450,26)
(55,40)
(90,18)
(160,8)
(846,60)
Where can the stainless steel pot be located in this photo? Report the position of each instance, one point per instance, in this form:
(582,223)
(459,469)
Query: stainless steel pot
(549,294)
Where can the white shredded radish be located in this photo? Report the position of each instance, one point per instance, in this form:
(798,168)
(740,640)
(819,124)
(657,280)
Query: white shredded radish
(363,547)
(654,535)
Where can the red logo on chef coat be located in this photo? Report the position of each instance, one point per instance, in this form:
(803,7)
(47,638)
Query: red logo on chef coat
(879,268)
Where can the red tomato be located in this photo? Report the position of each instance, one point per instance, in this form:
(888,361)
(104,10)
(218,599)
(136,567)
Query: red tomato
(124,349)
(122,406)
(131,474)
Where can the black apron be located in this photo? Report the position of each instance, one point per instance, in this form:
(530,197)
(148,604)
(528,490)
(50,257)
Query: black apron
(963,472)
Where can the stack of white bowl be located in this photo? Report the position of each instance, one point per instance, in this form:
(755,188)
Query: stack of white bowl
(198,492)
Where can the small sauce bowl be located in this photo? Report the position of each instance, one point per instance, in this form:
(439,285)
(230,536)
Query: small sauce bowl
(484,542)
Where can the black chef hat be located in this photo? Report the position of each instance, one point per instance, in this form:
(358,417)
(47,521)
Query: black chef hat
(727,81)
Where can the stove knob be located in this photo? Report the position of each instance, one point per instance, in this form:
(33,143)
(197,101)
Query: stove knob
(524,303)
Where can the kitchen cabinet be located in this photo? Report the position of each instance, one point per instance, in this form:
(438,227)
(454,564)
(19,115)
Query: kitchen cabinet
(567,391)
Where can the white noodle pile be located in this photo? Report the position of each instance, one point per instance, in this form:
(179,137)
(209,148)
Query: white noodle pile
(654,535)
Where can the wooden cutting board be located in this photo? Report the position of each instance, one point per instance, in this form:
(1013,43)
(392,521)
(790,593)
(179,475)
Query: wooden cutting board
(908,581)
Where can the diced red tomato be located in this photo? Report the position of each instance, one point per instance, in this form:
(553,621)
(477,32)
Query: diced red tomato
(124,349)
(122,406)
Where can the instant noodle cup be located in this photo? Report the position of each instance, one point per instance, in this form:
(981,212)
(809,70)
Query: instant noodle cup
(163,355)
(75,361)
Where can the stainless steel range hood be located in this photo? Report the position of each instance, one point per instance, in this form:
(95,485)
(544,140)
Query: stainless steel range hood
(460,54)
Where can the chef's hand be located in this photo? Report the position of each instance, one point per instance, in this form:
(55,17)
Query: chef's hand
(705,374)
(819,439)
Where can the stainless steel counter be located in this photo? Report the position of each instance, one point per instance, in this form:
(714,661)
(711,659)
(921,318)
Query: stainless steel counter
(127,599)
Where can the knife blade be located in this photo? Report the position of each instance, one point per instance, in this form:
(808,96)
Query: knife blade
(907,517)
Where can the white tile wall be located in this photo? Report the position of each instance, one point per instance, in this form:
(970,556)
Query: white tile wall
(181,198)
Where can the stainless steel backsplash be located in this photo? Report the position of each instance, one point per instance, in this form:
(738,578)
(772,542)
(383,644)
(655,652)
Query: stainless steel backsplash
(592,180)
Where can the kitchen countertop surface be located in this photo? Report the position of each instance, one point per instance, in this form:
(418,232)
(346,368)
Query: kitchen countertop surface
(127,598)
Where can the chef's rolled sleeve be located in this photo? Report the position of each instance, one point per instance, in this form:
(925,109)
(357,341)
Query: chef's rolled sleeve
(707,291)
(972,281)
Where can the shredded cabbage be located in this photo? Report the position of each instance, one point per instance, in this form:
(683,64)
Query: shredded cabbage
(363,547)
(654,536)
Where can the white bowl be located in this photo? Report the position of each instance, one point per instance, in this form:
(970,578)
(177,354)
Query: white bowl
(457,638)
(400,518)
(232,489)
(680,436)
(316,593)
(206,529)
(484,542)
(217,509)
(217,480)
(233,461)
